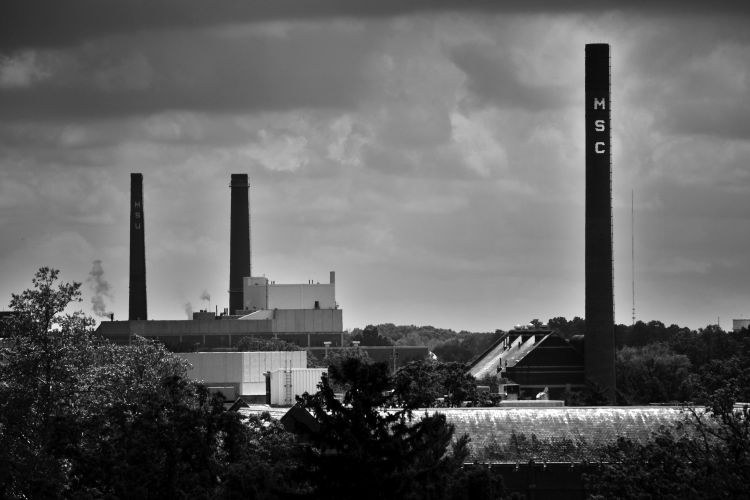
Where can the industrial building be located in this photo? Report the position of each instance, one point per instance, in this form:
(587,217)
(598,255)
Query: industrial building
(304,314)
(266,377)
(308,314)
(535,359)
(541,453)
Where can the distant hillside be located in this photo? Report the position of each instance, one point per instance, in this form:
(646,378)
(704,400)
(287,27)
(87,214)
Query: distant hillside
(448,345)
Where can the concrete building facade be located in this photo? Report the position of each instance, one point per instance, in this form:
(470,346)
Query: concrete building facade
(261,293)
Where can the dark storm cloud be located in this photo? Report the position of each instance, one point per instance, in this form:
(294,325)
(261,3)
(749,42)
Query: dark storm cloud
(697,84)
(729,119)
(41,23)
(493,79)
(195,71)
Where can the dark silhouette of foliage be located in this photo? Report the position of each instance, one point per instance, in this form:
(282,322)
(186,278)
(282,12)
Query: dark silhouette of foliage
(421,383)
(365,448)
(447,344)
(706,456)
(565,328)
(83,418)
(653,373)
(255,344)
(371,337)
(418,384)
(475,482)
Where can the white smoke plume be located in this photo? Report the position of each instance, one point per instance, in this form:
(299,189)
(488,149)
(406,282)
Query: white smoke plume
(206,296)
(189,310)
(100,288)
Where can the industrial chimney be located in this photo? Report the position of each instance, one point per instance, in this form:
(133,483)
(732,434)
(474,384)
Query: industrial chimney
(599,346)
(239,241)
(137,299)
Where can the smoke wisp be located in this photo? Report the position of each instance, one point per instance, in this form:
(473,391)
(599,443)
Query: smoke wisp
(100,288)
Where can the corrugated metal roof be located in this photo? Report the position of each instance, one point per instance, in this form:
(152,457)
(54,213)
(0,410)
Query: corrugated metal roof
(567,434)
(590,426)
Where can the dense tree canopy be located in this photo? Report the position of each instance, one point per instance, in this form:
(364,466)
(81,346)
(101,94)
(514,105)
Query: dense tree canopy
(653,373)
(265,344)
(80,417)
(706,456)
(421,383)
(365,447)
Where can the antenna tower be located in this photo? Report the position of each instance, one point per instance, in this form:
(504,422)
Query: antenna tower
(632,245)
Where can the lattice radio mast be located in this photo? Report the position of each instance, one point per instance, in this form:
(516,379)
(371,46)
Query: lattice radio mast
(632,245)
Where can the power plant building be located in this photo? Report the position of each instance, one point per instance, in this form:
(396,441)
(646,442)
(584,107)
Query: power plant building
(304,314)
(534,359)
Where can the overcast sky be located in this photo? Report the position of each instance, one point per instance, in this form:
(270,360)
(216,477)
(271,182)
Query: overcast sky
(431,154)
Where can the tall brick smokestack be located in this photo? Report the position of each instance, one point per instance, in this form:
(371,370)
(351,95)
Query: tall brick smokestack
(239,240)
(137,298)
(600,338)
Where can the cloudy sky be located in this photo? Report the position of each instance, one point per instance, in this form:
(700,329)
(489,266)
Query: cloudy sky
(431,154)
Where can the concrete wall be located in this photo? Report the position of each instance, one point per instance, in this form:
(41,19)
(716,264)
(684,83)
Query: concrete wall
(301,296)
(255,293)
(244,370)
(259,293)
(307,320)
(304,327)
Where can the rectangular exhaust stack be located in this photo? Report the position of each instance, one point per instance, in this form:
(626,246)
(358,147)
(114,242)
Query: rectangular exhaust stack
(239,241)
(137,298)
(599,345)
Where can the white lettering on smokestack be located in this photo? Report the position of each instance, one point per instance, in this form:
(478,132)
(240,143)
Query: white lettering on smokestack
(600,102)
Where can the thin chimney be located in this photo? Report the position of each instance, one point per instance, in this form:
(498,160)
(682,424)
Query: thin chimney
(239,241)
(599,346)
(137,299)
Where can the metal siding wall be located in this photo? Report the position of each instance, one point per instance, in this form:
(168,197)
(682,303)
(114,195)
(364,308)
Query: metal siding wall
(318,321)
(301,296)
(309,320)
(254,296)
(303,380)
(253,388)
(338,321)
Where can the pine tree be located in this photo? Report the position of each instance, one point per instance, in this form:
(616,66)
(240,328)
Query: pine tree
(367,449)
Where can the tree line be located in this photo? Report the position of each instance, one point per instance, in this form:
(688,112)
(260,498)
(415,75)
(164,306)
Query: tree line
(83,418)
